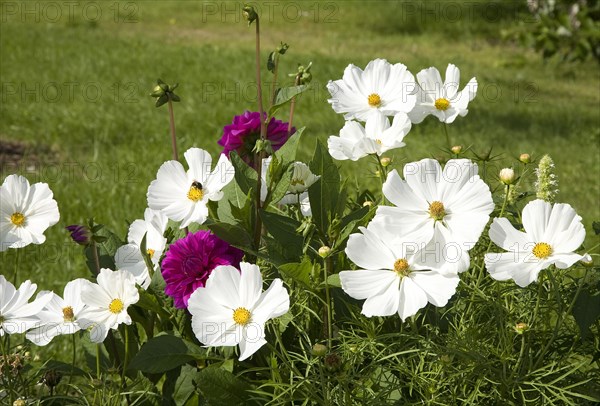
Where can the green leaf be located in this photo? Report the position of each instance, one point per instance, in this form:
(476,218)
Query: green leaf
(221,387)
(596,227)
(165,352)
(106,250)
(586,310)
(298,271)
(334,280)
(324,193)
(282,186)
(351,222)
(287,153)
(284,95)
(232,196)
(233,234)
(185,385)
(283,229)
(245,176)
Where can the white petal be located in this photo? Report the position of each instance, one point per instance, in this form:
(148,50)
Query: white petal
(386,302)
(363,284)
(412,298)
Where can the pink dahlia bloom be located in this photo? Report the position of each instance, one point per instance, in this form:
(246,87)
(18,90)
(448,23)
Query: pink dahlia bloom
(190,260)
(242,133)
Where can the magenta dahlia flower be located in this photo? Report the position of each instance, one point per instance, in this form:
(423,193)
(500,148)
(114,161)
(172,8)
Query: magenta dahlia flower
(190,260)
(242,133)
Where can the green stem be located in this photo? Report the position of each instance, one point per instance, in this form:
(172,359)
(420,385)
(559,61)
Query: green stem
(9,388)
(98,361)
(74,356)
(293,106)
(263,135)
(382,176)
(447,135)
(561,320)
(536,309)
(96,257)
(16,267)
(172,128)
(126,355)
(327,270)
(274,85)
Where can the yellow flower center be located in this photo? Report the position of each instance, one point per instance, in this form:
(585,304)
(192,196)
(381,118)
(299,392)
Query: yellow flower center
(241,315)
(374,100)
(378,141)
(18,219)
(542,250)
(150,252)
(295,182)
(442,104)
(195,193)
(68,314)
(116,306)
(437,211)
(401,267)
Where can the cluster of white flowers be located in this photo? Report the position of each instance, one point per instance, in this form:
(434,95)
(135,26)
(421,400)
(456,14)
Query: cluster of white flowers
(384,90)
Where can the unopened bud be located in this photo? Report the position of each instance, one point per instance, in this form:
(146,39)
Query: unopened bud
(368,203)
(520,328)
(319,350)
(525,158)
(385,161)
(507,176)
(587,261)
(249,13)
(457,149)
(19,402)
(324,251)
(333,362)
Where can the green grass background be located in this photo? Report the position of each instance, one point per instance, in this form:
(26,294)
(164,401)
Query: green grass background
(75,90)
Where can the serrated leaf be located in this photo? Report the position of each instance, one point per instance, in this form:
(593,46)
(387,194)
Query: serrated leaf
(165,352)
(283,229)
(185,385)
(233,234)
(284,95)
(282,186)
(245,176)
(287,153)
(221,387)
(298,271)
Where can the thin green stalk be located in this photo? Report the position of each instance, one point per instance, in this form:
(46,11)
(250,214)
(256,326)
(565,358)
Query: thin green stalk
(535,310)
(98,361)
(4,345)
(126,356)
(16,266)
(445,126)
(74,357)
(293,105)
(96,258)
(263,135)
(382,176)
(172,128)
(327,270)
(561,320)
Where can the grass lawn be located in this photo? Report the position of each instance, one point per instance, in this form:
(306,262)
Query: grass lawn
(75,91)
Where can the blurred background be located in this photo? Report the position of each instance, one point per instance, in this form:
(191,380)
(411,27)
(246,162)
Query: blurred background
(76,77)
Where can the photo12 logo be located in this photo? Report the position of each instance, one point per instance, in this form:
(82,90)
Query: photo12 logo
(68,11)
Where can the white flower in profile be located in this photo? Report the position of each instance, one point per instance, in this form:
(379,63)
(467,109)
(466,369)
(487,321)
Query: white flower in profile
(232,309)
(16,314)
(376,137)
(129,256)
(452,204)
(60,315)
(442,99)
(25,212)
(394,277)
(107,302)
(381,87)
(302,179)
(552,233)
(183,196)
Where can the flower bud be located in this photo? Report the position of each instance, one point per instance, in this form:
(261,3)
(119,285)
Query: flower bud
(19,402)
(457,149)
(51,378)
(333,362)
(319,350)
(587,261)
(249,13)
(368,203)
(520,328)
(385,161)
(507,176)
(324,251)
(525,158)
(80,234)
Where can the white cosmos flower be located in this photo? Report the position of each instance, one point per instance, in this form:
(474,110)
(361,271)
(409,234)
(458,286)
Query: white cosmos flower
(302,179)
(16,314)
(182,196)
(552,233)
(442,99)
(107,302)
(59,316)
(394,277)
(232,309)
(25,212)
(376,137)
(129,257)
(381,87)
(452,205)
